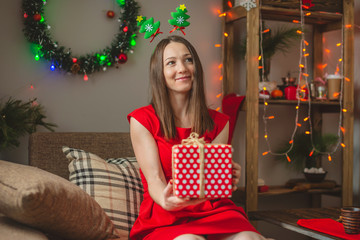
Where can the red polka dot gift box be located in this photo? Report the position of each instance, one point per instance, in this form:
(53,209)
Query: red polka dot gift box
(202,170)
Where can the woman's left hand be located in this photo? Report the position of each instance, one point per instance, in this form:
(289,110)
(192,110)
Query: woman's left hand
(236,172)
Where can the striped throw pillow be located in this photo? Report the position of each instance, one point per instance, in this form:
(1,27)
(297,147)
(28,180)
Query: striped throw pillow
(114,183)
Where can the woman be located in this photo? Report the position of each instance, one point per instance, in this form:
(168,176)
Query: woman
(178,108)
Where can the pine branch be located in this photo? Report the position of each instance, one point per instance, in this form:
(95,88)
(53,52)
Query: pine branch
(280,40)
(302,147)
(19,118)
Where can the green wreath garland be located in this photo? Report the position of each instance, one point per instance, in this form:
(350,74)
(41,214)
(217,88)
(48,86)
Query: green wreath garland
(37,32)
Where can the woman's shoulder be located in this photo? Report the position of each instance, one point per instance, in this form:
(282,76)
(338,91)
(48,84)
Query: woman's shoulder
(145,112)
(146,116)
(145,109)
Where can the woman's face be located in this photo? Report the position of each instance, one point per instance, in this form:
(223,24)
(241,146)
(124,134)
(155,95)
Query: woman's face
(178,68)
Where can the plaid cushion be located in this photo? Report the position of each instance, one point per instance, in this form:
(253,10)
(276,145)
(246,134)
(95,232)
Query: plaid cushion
(114,183)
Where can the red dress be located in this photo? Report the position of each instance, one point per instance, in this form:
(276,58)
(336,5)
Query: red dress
(210,217)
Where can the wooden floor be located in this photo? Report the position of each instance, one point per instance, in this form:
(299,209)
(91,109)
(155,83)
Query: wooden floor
(288,219)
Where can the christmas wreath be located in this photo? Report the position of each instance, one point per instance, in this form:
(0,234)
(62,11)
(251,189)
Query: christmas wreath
(37,32)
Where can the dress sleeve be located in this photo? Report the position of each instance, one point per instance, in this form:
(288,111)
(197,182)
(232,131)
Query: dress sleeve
(145,116)
(220,121)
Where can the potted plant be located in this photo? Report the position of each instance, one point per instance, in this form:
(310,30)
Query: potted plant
(273,41)
(18,118)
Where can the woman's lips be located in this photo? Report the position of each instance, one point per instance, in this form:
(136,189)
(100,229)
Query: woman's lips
(183,78)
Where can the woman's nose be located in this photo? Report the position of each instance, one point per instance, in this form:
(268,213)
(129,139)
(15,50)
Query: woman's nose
(181,67)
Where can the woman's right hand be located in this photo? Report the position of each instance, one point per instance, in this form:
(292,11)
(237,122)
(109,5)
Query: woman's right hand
(171,202)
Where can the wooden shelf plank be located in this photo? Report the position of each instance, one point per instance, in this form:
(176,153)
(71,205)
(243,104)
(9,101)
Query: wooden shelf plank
(327,106)
(239,195)
(285,14)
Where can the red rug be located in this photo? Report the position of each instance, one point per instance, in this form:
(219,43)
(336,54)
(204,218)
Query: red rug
(328,226)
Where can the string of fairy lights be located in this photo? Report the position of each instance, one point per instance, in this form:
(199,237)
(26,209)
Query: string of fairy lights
(301,91)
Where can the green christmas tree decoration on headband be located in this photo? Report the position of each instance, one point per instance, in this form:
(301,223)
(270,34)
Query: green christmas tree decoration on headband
(148,27)
(179,19)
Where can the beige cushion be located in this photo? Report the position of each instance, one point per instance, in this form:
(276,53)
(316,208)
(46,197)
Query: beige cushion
(114,183)
(12,230)
(52,204)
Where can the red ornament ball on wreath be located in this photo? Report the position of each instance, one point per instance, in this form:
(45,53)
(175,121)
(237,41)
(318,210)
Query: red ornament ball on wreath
(122,58)
(37,17)
(110,14)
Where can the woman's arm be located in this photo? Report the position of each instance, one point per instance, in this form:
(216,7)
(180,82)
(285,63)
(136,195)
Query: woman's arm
(147,155)
(222,138)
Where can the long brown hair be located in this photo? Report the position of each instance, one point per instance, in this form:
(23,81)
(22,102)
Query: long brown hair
(201,121)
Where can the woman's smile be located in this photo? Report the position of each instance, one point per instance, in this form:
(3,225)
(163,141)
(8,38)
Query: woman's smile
(184,78)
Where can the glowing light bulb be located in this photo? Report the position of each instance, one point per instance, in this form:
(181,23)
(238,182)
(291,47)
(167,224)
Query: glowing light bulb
(74,60)
(342,129)
(311,153)
(288,158)
(132,42)
(52,67)
(37,57)
(265,153)
(121,2)
(329,158)
(126,28)
(86,77)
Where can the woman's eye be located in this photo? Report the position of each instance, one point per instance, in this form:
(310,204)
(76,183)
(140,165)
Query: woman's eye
(189,59)
(170,63)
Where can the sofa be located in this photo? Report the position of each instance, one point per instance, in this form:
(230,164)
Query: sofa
(78,185)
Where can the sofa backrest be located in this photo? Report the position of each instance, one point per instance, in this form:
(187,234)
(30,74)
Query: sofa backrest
(45,148)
